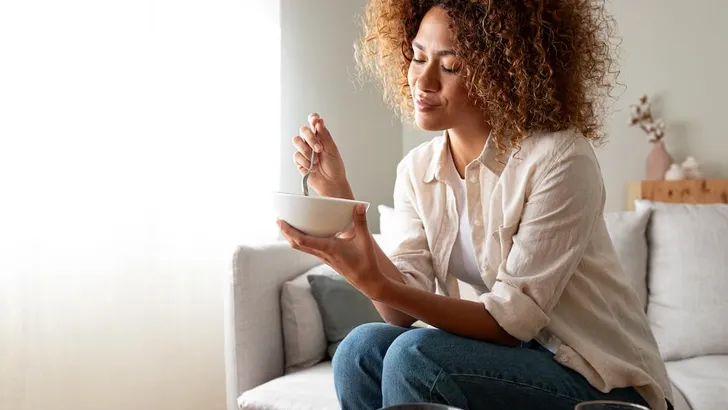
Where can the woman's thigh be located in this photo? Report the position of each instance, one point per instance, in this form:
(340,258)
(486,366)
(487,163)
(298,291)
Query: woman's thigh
(473,374)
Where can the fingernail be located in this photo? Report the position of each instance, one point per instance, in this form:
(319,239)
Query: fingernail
(360,209)
(317,147)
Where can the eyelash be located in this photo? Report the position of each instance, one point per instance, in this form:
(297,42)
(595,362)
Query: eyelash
(447,70)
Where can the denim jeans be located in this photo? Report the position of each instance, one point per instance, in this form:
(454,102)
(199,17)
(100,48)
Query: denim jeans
(382,365)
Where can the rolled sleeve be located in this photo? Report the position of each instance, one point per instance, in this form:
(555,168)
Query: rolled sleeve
(548,243)
(517,313)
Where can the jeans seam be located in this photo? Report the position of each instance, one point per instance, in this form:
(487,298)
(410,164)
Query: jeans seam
(434,383)
(564,396)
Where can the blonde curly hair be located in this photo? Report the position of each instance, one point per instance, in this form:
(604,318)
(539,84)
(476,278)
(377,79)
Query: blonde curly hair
(527,64)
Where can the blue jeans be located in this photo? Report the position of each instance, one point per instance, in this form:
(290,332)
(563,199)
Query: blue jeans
(382,365)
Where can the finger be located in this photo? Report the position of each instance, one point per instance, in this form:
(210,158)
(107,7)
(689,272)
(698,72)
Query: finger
(307,134)
(294,243)
(303,171)
(302,161)
(325,138)
(360,219)
(300,240)
(312,119)
(302,146)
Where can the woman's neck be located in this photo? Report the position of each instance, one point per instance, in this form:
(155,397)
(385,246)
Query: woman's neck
(466,144)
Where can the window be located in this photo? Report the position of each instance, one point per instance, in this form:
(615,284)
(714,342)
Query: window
(143,124)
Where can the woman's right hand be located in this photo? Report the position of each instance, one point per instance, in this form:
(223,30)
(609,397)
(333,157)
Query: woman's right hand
(328,176)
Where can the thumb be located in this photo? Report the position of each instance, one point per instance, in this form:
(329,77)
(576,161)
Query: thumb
(360,219)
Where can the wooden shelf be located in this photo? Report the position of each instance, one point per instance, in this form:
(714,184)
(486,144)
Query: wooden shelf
(690,191)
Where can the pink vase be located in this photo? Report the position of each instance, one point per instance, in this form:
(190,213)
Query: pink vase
(658,162)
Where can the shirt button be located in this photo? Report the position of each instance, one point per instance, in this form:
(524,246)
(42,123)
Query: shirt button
(477,223)
(473,179)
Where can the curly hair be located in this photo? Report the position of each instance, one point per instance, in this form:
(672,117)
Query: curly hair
(527,64)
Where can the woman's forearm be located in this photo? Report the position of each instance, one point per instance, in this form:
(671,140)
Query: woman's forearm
(461,317)
(389,314)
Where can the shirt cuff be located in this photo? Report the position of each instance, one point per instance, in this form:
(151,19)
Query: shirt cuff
(514,311)
(411,277)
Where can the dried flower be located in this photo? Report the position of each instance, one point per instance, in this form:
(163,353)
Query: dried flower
(641,115)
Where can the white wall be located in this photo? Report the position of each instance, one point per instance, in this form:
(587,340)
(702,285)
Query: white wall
(318,76)
(674,51)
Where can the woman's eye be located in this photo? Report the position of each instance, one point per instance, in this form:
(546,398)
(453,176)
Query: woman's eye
(450,70)
(418,61)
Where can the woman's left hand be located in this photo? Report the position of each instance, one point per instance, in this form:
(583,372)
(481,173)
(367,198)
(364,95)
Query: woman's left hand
(352,254)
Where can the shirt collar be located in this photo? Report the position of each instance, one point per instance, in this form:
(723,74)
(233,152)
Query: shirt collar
(438,164)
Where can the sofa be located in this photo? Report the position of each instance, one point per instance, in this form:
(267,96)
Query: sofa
(676,256)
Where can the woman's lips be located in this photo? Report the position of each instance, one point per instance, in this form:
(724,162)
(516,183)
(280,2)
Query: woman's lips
(424,106)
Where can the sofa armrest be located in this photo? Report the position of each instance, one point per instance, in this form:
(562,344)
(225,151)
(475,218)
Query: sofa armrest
(253,334)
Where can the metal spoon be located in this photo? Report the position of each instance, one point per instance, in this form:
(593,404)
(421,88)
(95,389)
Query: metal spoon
(304,182)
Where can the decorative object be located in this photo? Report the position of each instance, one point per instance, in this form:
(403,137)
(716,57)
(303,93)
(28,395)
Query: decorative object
(675,173)
(691,168)
(658,160)
(705,191)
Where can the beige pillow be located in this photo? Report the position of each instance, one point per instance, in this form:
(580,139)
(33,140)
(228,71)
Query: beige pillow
(304,339)
(688,278)
(627,230)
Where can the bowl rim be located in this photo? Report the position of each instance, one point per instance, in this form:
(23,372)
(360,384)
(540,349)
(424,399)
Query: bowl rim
(323,198)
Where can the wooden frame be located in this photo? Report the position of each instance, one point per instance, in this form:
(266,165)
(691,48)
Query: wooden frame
(691,191)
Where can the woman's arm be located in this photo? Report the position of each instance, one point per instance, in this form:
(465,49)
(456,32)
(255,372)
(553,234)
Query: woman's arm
(461,317)
(389,313)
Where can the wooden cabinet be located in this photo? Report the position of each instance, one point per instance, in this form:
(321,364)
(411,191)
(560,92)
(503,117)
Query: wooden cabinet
(691,191)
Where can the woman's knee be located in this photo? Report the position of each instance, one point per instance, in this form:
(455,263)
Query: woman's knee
(405,355)
(365,343)
(413,343)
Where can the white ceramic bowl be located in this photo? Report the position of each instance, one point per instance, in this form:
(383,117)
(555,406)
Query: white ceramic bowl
(315,216)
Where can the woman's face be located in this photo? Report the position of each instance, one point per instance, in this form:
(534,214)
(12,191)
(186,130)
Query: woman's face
(438,91)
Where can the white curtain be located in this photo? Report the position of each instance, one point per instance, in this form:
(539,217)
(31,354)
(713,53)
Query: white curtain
(138,145)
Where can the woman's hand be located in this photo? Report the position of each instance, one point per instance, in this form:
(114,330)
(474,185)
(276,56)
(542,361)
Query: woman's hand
(353,254)
(328,176)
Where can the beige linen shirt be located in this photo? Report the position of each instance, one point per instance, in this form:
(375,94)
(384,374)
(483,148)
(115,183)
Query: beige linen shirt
(543,251)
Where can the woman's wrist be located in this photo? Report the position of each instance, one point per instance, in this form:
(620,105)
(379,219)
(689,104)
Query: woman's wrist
(342,191)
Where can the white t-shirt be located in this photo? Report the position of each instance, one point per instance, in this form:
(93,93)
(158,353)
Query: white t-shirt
(462,259)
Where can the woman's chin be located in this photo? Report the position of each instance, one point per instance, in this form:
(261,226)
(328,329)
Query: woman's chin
(429,122)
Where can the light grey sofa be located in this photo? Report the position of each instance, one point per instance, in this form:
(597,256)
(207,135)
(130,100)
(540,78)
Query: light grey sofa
(254,345)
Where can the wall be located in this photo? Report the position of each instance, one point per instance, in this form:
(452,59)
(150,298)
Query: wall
(318,76)
(673,51)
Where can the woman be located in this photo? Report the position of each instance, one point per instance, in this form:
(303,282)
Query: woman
(510,199)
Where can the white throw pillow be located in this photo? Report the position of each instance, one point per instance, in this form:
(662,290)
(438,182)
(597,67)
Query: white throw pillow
(386,219)
(688,278)
(627,230)
(304,339)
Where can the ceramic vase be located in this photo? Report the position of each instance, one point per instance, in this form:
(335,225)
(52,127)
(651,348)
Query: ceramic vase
(658,162)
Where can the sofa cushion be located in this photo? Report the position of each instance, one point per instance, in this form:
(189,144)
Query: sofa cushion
(307,389)
(678,399)
(386,219)
(627,230)
(303,329)
(343,307)
(688,278)
(703,381)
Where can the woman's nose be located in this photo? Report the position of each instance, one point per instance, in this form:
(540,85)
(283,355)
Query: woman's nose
(429,79)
